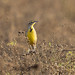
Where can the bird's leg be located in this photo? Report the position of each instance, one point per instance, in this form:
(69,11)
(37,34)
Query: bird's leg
(33,48)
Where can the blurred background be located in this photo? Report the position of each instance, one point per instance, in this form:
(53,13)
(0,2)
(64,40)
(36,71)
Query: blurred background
(55,52)
(56,19)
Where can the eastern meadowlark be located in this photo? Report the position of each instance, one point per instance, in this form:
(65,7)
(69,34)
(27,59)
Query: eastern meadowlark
(31,35)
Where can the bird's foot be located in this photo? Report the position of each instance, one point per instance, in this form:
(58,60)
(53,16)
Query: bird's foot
(30,51)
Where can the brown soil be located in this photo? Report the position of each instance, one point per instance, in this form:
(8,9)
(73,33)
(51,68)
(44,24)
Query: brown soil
(55,52)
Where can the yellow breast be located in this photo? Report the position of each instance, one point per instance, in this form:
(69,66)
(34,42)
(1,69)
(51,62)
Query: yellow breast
(32,36)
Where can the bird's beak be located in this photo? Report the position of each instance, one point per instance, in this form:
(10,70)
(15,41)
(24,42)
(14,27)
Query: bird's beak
(35,21)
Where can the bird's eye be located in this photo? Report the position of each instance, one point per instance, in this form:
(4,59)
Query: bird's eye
(31,22)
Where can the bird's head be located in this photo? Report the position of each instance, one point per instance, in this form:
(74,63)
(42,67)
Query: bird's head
(32,23)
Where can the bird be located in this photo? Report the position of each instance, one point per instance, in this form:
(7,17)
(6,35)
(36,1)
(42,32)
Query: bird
(31,36)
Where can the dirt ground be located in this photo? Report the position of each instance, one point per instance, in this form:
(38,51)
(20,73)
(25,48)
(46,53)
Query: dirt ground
(55,52)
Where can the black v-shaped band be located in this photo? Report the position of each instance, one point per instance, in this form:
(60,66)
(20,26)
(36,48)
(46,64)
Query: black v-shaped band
(31,29)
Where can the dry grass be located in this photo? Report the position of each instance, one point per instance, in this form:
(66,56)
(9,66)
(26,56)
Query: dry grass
(55,59)
(55,53)
(49,59)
